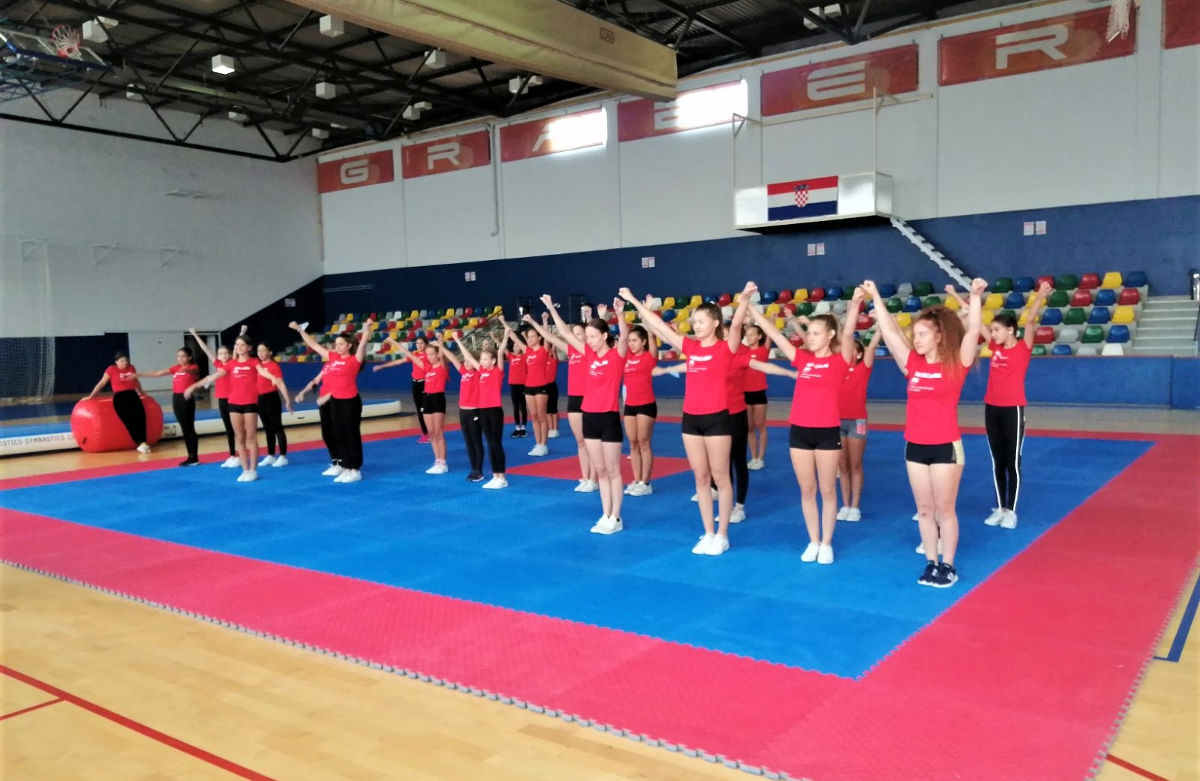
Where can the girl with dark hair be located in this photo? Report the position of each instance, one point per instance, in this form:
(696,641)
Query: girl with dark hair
(1004,406)
(551,382)
(468,408)
(327,436)
(127,397)
(576,372)
(604,365)
(419,367)
(706,427)
(490,367)
(936,364)
(755,391)
(814,440)
(852,409)
(184,373)
(218,361)
(537,386)
(516,381)
(641,407)
(273,396)
(342,365)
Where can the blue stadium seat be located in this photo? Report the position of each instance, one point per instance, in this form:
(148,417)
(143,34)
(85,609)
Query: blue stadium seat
(1135,279)
(886,290)
(1099,315)
(1106,297)
(1023,284)
(1014,300)
(1052,317)
(1061,349)
(833,292)
(912,304)
(1118,334)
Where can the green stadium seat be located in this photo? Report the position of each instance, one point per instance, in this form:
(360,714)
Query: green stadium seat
(1058,299)
(1002,285)
(932,301)
(922,289)
(894,305)
(1075,316)
(1039,350)
(1093,334)
(1066,282)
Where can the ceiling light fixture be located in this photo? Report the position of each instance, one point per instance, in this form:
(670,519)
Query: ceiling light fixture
(223,64)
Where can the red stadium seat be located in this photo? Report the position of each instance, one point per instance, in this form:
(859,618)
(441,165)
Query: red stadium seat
(864,322)
(1044,279)
(1130,296)
(1043,335)
(784,297)
(816,294)
(1089,281)
(1081,297)
(790,307)
(469,311)
(724,299)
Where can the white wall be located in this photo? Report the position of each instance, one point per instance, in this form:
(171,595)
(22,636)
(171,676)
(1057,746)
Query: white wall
(92,213)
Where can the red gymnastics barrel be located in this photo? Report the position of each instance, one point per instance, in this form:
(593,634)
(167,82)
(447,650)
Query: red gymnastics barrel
(97,429)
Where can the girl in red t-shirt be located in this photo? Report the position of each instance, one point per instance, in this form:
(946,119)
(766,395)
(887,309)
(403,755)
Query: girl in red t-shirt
(575,380)
(340,389)
(936,364)
(127,398)
(814,439)
(706,427)
(755,392)
(468,408)
(852,409)
(641,407)
(489,368)
(433,402)
(417,359)
(603,365)
(218,361)
(514,348)
(551,382)
(183,374)
(537,386)
(273,397)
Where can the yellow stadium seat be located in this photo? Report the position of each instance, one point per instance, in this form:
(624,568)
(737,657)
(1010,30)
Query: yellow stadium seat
(984,352)
(903,319)
(952,303)
(993,301)
(669,302)
(1113,280)
(630,316)
(1124,315)
(988,316)
(1024,318)
(685,327)
(683,314)
(772,310)
(800,294)
(435,323)
(780,323)
(695,301)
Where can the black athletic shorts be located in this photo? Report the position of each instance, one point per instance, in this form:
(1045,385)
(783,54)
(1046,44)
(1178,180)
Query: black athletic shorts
(714,424)
(537,390)
(824,438)
(243,409)
(946,453)
(574,404)
(650,410)
(755,397)
(433,402)
(604,426)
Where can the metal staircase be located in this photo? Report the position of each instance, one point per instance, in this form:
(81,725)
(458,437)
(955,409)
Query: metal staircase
(1166,326)
(931,252)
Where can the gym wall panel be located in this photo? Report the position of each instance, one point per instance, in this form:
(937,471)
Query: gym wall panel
(1179,161)
(364,227)
(452,217)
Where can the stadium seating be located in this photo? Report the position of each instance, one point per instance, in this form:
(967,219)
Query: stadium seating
(1066,282)
(1061,350)
(1081,298)
(1124,315)
(1089,281)
(1099,315)
(1112,280)
(1014,300)
(1118,334)
(1136,279)
(1105,297)
(1129,296)
(1052,317)
(1023,285)
(1092,334)
(1004,285)
(1075,316)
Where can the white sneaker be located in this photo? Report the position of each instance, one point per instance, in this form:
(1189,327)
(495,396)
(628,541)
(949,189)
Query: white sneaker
(755,464)
(233,462)
(552,434)
(266,460)
(1009,521)
(810,553)
(645,490)
(143,448)
(280,461)
(702,546)
(695,497)
(717,545)
(921,548)
(916,516)
(995,517)
(841,516)
(437,469)
(738,515)
(333,470)
(348,476)
(825,554)
(247,477)
(496,482)
(539,450)
(853,514)
(628,489)
(607,525)
(587,487)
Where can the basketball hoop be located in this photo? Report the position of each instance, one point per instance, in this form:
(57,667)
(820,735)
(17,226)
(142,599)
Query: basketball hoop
(1118,19)
(66,41)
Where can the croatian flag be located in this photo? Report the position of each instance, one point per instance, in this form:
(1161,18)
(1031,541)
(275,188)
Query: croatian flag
(802,198)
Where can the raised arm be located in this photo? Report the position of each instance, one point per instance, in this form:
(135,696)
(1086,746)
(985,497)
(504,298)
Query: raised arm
(364,337)
(1035,307)
(787,348)
(310,341)
(970,343)
(952,291)
(734,338)
(467,358)
(566,336)
(892,335)
(203,345)
(770,368)
(869,350)
(622,327)
(848,328)
(653,322)
(449,355)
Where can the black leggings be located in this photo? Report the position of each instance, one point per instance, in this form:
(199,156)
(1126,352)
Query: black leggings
(223,405)
(345,417)
(185,415)
(418,394)
(738,465)
(128,406)
(270,412)
(491,420)
(327,435)
(1006,437)
(520,410)
(468,421)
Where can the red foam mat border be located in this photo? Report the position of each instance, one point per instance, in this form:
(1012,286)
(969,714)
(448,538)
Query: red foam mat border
(1027,676)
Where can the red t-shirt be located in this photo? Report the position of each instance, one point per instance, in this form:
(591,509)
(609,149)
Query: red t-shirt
(243,381)
(535,367)
(222,383)
(420,366)
(265,385)
(551,365)
(815,398)
(756,380)
(341,375)
(183,375)
(489,382)
(704,392)
(931,415)
(735,380)
(1006,380)
(639,384)
(435,378)
(468,389)
(516,369)
(122,379)
(852,401)
(602,381)
(575,372)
